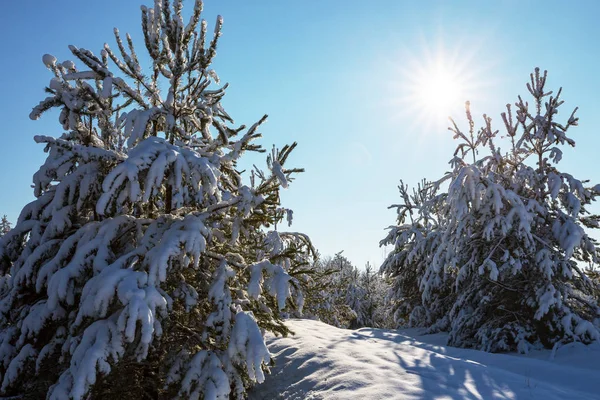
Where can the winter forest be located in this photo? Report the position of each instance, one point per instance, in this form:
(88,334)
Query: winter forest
(158,258)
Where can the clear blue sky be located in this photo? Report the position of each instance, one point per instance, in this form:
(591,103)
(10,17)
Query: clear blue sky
(337,77)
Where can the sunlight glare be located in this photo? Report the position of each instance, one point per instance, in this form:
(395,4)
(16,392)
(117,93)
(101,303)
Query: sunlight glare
(431,82)
(438,91)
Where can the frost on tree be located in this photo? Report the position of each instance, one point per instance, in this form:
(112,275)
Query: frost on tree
(499,259)
(145,267)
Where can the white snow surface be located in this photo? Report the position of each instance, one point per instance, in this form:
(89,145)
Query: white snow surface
(324,362)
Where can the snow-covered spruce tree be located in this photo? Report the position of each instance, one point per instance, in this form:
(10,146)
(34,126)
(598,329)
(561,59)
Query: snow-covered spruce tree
(511,238)
(415,238)
(355,298)
(375,308)
(144,268)
(5,225)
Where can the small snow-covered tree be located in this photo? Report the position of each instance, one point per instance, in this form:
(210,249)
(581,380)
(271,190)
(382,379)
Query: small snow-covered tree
(376,308)
(414,239)
(145,267)
(5,226)
(509,238)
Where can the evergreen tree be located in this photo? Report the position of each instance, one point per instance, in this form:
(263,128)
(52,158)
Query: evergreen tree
(417,233)
(145,268)
(377,313)
(497,258)
(4,226)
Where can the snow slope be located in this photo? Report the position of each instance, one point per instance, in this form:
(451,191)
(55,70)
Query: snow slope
(324,362)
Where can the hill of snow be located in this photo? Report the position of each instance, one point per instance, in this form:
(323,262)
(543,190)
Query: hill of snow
(324,362)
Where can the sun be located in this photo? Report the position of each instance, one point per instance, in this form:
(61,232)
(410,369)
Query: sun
(435,89)
(438,91)
(431,82)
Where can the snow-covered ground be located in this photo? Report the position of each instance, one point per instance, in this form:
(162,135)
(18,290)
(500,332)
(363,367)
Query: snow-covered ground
(323,362)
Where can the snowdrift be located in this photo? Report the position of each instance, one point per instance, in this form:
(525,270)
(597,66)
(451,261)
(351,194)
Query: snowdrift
(324,362)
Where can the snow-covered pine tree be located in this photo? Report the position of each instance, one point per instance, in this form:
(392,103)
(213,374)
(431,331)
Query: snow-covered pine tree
(5,225)
(376,308)
(510,238)
(367,281)
(144,268)
(415,237)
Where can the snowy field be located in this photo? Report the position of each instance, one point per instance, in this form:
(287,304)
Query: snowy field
(324,362)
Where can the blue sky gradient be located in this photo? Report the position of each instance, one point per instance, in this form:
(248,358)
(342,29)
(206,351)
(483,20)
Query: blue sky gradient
(338,78)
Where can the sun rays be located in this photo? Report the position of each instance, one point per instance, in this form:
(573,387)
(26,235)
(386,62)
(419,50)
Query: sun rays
(430,83)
